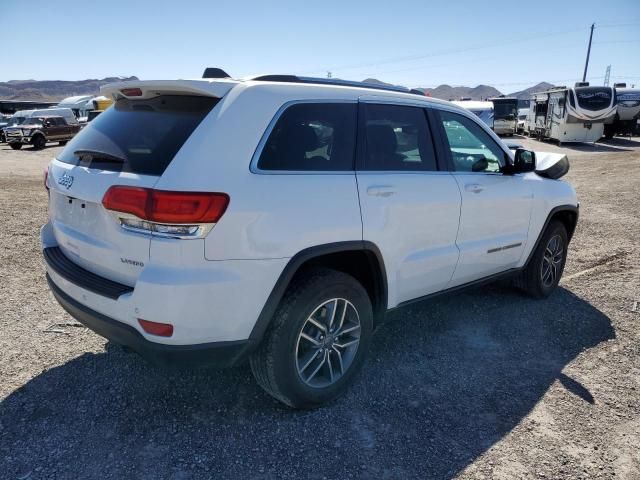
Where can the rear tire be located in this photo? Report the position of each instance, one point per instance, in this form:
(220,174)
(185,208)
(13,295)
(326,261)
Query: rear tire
(544,270)
(63,143)
(16,146)
(312,350)
(39,142)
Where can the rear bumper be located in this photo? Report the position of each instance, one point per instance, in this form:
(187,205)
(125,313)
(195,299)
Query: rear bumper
(220,354)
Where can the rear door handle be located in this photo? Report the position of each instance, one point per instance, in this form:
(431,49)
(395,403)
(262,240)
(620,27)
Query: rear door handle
(473,187)
(381,191)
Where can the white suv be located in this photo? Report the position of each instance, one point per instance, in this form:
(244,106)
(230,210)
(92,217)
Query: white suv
(279,219)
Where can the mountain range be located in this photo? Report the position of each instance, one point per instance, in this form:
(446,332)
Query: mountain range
(54,90)
(481,92)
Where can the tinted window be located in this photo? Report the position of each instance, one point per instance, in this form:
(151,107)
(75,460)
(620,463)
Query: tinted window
(472,149)
(312,137)
(594,98)
(144,134)
(397,138)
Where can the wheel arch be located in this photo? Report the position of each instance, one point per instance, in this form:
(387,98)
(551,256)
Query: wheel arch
(567,214)
(360,259)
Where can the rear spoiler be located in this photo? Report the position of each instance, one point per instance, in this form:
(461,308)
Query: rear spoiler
(141,89)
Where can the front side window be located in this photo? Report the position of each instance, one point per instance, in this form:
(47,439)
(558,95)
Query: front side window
(397,138)
(472,149)
(312,137)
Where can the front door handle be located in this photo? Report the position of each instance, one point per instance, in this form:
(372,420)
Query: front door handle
(473,187)
(381,191)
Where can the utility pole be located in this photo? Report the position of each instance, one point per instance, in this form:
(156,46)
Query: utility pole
(607,75)
(586,64)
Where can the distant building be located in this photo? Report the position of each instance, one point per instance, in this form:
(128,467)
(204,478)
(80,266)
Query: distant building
(12,106)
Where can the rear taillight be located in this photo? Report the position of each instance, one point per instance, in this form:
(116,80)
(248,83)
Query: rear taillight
(166,213)
(156,328)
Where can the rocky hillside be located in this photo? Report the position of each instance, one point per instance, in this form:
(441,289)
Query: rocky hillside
(447,92)
(526,93)
(53,90)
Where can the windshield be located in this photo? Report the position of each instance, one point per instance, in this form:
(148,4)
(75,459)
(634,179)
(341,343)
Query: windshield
(594,98)
(32,121)
(505,110)
(15,121)
(145,134)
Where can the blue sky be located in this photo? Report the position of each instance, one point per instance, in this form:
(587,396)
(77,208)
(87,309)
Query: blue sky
(508,44)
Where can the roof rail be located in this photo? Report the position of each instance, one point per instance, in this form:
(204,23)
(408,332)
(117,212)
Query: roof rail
(620,85)
(336,82)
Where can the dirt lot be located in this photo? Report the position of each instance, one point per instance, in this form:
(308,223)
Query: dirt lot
(487,384)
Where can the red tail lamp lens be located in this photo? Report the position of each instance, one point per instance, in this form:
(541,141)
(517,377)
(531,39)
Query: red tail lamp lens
(156,328)
(167,207)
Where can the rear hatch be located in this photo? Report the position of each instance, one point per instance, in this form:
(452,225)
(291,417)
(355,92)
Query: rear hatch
(130,144)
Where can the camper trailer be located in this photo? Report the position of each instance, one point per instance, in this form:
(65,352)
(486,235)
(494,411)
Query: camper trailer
(77,104)
(484,110)
(628,112)
(505,115)
(522,118)
(570,114)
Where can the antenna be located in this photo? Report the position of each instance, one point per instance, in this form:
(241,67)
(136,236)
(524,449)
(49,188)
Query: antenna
(586,64)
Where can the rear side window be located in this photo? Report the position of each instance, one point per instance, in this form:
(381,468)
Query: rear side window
(138,136)
(312,137)
(397,138)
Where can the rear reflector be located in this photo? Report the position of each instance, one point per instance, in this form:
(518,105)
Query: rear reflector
(156,328)
(167,207)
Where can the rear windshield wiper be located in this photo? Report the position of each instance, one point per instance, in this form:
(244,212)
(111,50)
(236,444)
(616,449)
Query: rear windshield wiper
(98,155)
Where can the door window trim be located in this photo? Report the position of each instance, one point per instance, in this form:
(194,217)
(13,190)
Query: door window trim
(253,166)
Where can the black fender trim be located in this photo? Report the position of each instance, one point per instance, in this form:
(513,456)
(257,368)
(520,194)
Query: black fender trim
(574,209)
(269,308)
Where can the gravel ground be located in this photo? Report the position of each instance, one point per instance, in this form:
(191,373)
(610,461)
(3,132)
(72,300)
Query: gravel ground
(486,384)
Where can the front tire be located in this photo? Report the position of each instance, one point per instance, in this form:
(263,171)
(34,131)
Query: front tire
(318,339)
(542,275)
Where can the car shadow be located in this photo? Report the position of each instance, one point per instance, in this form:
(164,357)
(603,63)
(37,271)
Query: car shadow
(446,379)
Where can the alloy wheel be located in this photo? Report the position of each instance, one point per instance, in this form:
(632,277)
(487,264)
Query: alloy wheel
(327,343)
(552,261)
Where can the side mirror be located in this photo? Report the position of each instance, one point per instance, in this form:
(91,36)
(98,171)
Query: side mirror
(524,161)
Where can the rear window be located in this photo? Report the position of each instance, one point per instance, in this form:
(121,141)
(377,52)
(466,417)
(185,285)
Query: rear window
(138,136)
(312,137)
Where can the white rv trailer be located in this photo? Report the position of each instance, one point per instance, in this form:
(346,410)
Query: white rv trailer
(522,118)
(627,114)
(484,110)
(570,114)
